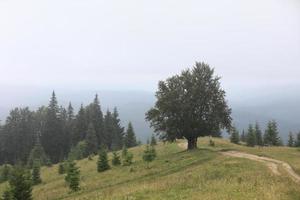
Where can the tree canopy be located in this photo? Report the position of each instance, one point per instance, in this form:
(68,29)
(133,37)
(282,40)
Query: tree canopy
(190,105)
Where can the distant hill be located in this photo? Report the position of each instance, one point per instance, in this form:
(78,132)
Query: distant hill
(132,106)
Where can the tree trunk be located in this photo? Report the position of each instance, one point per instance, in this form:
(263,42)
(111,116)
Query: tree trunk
(192,143)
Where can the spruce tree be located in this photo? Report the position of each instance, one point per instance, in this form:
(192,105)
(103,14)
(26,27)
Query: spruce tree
(149,154)
(20,184)
(80,126)
(271,136)
(73,176)
(258,134)
(235,138)
(91,140)
(95,116)
(36,173)
(153,140)
(118,134)
(251,136)
(116,159)
(102,164)
(130,139)
(52,136)
(291,141)
(109,130)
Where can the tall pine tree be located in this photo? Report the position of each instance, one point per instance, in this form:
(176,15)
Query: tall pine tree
(52,136)
(91,140)
(251,136)
(20,184)
(95,116)
(271,136)
(235,137)
(109,130)
(80,126)
(130,139)
(117,142)
(258,134)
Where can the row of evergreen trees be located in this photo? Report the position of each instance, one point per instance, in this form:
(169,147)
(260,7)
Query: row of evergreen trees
(21,179)
(254,135)
(51,133)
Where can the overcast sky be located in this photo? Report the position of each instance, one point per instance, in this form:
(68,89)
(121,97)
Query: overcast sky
(130,45)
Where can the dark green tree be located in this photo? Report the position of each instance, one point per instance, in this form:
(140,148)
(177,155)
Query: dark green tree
(18,136)
(190,105)
(251,136)
(130,138)
(271,136)
(102,164)
(52,136)
(95,116)
(91,140)
(80,126)
(36,173)
(235,136)
(258,135)
(73,176)
(149,154)
(109,130)
(153,140)
(116,159)
(118,134)
(20,184)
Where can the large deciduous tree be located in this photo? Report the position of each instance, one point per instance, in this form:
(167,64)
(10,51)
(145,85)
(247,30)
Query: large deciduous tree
(190,105)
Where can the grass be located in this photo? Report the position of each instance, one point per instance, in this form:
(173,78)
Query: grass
(178,174)
(287,154)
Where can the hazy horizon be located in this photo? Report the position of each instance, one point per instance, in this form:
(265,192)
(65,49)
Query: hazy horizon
(131,45)
(79,48)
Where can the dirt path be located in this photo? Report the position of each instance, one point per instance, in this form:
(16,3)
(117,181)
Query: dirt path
(272,164)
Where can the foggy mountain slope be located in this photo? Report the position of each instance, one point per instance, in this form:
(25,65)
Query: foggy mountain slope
(132,106)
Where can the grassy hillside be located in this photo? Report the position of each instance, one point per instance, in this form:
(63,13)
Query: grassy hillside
(177,174)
